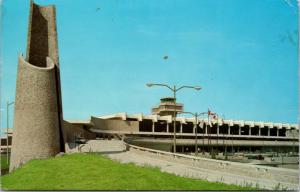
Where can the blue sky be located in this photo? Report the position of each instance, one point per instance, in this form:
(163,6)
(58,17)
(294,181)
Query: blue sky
(242,53)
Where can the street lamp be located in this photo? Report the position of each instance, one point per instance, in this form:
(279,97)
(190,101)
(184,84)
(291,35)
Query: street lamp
(7,126)
(174,90)
(196,115)
(214,116)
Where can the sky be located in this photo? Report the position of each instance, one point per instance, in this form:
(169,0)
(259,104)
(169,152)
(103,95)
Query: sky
(244,55)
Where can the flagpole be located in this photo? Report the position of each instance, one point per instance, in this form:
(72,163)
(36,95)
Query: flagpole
(224,141)
(203,137)
(218,134)
(196,136)
(208,130)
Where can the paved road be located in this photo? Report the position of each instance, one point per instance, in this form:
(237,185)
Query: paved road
(116,150)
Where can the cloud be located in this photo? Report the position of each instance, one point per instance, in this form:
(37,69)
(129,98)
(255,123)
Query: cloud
(289,3)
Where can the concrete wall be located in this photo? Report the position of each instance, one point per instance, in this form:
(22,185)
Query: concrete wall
(42,43)
(38,109)
(230,172)
(42,35)
(115,124)
(214,142)
(70,131)
(36,122)
(151,145)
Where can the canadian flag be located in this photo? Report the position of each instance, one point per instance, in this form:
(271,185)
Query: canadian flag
(213,116)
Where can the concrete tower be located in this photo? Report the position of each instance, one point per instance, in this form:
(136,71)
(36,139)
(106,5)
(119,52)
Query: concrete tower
(167,106)
(38,109)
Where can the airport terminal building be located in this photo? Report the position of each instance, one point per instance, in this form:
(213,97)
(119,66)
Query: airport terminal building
(40,131)
(156,131)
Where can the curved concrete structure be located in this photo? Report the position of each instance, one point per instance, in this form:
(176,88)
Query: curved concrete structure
(36,123)
(38,111)
(156,132)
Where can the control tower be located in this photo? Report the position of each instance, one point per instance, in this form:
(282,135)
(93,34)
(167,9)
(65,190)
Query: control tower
(167,106)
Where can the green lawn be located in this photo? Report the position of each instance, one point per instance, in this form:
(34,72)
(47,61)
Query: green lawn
(96,172)
(4,163)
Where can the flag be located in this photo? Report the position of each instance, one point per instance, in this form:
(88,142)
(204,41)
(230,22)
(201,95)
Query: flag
(212,115)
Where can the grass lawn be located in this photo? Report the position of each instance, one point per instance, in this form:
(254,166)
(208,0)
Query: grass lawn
(4,163)
(96,172)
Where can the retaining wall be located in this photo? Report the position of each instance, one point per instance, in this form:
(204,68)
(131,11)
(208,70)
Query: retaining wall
(238,173)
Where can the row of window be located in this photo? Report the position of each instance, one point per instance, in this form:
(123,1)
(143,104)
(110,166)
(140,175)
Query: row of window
(163,126)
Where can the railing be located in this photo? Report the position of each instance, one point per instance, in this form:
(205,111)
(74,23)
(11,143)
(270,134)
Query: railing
(170,103)
(163,108)
(198,158)
(255,172)
(193,134)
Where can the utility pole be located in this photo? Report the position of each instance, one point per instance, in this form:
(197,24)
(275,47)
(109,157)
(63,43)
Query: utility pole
(196,136)
(218,129)
(7,126)
(174,121)
(174,90)
(226,156)
(203,137)
(196,115)
(225,141)
(293,132)
(208,131)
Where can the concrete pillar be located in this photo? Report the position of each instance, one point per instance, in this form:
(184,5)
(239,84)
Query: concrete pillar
(153,125)
(277,132)
(205,129)
(218,129)
(250,130)
(268,131)
(239,130)
(228,129)
(180,127)
(259,131)
(167,127)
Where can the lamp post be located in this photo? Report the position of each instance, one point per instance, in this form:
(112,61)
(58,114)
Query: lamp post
(196,115)
(208,131)
(7,124)
(174,90)
(203,138)
(293,134)
(224,144)
(210,145)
